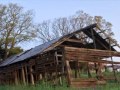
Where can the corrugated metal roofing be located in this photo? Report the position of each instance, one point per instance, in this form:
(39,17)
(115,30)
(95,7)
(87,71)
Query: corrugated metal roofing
(34,51)
(27,54)
(8,60)
(12,58)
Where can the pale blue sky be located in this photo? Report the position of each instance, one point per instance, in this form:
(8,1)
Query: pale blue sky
(50,9)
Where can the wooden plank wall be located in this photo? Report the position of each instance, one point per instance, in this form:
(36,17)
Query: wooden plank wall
(53,66)
(87,55)
(47,66)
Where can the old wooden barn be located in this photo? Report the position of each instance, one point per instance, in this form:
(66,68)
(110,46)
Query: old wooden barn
(72,58)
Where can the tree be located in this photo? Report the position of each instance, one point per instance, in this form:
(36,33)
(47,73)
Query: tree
(43,31)
(60,27)
(65,25)
(13,51)
(16,26)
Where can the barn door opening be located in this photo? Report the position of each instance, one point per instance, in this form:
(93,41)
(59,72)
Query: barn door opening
(79,69)
(75,73)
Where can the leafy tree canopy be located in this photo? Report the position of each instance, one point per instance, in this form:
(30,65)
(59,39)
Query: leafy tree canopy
(16,26)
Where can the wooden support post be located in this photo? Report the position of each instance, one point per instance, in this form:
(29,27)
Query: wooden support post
(63,66)
(114,70)
(26,74)
(23,76)
(99,73)
(60,79)
(89,74)
(112,61)
(56,67)
(16,77)
(96,69)
(79,70)
(40,76)
(76,69)
(68,69)
(93,37)
(31,76)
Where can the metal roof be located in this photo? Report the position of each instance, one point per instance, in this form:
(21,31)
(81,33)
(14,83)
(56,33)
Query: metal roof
(27,54)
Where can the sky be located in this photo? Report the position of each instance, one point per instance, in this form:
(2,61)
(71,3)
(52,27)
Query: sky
(50,9)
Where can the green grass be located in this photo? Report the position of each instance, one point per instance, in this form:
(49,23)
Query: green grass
(46,86)
(110,86)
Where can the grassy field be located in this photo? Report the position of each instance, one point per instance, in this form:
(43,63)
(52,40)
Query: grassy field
(110,86)
(46,86)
